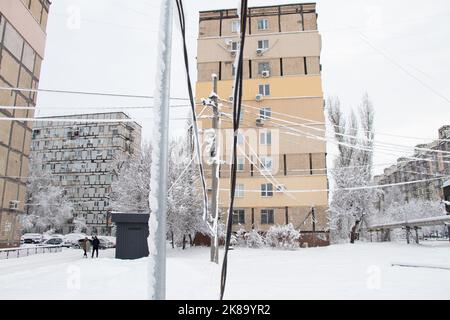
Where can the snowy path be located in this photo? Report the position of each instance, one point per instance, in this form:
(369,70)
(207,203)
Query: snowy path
(361,271)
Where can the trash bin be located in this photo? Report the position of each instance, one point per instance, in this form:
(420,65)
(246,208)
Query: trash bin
(131,234)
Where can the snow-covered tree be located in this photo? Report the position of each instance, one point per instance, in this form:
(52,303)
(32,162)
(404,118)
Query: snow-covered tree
(130,188)
(398,211)
(282,236)
(353,168)
(48,206)
(185,212)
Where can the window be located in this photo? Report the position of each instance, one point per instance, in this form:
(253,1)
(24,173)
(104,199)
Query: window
(241,116)
(263,24)
(238,216)
(240,139)
(267,216)
(266,163)
(240,163)
(239,191)
(265,113)
(263,44)
(263,66)
(264,89)
(266,190)
(234,46)
(235,26)
(265,137)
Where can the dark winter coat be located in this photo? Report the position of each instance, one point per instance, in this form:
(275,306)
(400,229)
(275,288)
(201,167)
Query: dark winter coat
(96,243)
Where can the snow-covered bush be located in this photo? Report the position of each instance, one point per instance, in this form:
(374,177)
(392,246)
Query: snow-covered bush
(282,236)
(253,239)
(239,238)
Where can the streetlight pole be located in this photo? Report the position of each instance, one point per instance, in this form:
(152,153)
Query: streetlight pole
(159,167)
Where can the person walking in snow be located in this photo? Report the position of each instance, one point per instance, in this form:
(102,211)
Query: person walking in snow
(86,246)
(95,245)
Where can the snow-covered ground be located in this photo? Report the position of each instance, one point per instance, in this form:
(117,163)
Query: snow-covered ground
(360,271)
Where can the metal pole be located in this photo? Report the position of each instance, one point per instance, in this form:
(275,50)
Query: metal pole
(215,174)
(159,168)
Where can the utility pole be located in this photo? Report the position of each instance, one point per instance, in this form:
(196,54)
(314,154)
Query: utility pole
(215,155)
(159,167)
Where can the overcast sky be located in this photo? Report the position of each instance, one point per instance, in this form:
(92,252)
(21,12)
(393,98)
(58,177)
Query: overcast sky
(398,51)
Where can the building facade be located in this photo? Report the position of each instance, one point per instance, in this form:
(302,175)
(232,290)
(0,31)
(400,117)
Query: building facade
(22,46)
(282,87)
(79,155)
(410,170)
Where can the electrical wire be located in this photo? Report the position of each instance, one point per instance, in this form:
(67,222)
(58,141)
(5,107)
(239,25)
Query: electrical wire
(89,93)
(381,186)
(79,120)
(328,139)
(237,104)
(182,21)
(345,135)
(87,107)
(313,122)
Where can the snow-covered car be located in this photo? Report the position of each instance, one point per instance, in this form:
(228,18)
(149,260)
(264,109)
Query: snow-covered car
(106,244)
(72,239)
(55,241)
(47,236)
(31,238)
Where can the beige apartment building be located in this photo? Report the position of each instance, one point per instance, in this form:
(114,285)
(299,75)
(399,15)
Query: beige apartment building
(22,45)
(282,88)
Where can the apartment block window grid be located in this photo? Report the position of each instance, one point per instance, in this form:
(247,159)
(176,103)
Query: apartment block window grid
(265,113)
(266,163)
(239,190)
(238,216)
(240,164)
(265,137)
(263,24)
(263,44)
(266,190)
(267,216)
(263,66)
(235,26)
(83,165)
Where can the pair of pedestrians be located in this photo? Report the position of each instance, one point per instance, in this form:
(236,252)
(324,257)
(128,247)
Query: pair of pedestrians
(86,245)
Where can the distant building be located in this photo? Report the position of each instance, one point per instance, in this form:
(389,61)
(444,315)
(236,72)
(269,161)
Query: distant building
(79,154)
(407,169)
(22,45)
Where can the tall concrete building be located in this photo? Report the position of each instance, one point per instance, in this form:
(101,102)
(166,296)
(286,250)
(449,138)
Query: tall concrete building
(282,87)
(22,47)
(79,155)
(410,170)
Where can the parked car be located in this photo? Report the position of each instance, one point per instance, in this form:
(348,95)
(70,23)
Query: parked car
(55,241)
(31,238)
(72,240)
(106,244)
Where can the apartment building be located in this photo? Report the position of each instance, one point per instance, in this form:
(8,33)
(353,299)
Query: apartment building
(282,88)
(22,48)
(79,155)
(407,169)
